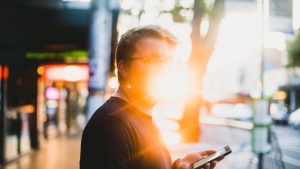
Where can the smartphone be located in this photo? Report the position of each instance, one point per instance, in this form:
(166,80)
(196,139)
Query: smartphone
(213,157)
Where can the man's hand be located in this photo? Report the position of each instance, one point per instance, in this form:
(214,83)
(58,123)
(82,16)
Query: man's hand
(192,157)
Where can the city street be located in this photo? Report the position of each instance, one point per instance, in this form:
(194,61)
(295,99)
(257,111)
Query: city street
(63,152)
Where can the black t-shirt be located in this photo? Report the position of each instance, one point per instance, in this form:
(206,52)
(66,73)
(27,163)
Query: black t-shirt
(119,136)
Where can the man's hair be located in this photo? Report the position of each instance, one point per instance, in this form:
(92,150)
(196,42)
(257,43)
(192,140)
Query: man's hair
(126,46)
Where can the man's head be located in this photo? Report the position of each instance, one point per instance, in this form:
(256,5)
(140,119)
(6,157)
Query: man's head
(126,46)
(140,54)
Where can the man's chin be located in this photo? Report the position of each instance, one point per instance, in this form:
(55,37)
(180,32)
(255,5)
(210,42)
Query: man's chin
(150,101)
(145,98)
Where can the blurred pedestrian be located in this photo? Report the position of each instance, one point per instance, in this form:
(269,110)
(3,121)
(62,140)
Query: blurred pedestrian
(121,134)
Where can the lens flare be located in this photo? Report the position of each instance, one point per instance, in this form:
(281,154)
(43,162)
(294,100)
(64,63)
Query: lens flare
(171,84)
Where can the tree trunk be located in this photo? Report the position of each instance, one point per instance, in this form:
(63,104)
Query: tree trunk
(202,48)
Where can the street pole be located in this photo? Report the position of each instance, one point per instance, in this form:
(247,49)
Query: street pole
(260,154)
(262,47)
(260,160)
(99,51)
(263,5)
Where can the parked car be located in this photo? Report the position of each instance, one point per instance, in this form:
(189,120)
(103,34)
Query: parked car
(294,119)
(279,113)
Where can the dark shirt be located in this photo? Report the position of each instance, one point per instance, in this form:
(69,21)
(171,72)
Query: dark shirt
(119,136)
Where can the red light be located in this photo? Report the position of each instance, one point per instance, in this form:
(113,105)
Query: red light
(71,73)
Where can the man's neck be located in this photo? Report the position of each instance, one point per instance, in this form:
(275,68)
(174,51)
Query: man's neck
(123,93)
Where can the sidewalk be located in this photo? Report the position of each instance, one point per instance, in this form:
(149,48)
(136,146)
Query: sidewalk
(63,153)
(58,153)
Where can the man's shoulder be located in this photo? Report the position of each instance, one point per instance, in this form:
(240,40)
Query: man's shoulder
(110,119)
(114,107)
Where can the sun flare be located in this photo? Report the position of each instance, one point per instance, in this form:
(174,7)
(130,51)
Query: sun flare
(171,84)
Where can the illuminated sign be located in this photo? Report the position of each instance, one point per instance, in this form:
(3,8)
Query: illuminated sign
(71,73)
(57,55)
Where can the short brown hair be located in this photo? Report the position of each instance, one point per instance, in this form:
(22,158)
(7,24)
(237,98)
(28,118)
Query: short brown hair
(126,45)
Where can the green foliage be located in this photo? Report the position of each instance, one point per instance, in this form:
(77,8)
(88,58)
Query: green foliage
(293,49)
(202,5)
(177,13)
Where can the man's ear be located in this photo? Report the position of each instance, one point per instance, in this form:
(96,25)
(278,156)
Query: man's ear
(122,68)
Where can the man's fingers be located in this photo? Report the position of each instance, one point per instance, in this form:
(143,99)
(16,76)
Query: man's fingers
(207,166)
(213,164)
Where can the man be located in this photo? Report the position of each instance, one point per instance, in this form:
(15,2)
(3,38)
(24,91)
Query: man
(121,133)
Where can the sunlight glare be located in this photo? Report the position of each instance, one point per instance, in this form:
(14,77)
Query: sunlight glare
(183,50)
(135,11)
(168,5)
(151,5)
(296,14)
(165,124)
(239,43)
(204,27)
(128,4)
(165,19)
(171,138)
(239,32)
(275,40)
(171,85)
(186,3)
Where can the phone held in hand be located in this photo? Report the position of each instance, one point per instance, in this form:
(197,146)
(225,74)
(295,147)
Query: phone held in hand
(213,157)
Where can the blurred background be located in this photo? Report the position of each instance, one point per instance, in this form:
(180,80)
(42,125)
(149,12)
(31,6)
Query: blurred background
(238,82)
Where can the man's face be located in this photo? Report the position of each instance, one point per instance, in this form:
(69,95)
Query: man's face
(145,66)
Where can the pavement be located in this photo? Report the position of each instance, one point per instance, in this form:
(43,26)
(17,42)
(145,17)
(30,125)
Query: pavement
(57,153)
(63,152)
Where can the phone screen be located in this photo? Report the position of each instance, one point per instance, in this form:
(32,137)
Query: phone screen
(222,152)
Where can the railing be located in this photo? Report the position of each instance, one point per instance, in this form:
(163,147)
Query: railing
(238,133)
(273,160)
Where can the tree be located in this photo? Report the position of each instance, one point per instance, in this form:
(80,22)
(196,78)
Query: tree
(202,48)
(294,52)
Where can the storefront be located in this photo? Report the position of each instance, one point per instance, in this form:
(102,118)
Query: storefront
(43,35)
(39,102)
(18,113)
(62,98)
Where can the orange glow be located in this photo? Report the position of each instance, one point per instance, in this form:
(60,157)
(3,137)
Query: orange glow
(40,70)
(280,95)
(69,73)
(172,84)
(5,72)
